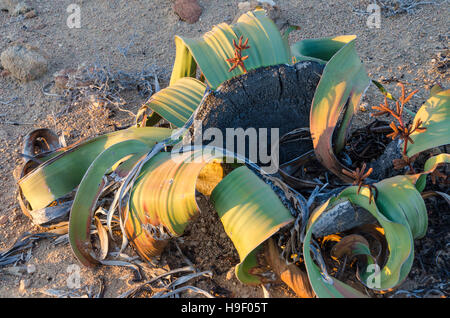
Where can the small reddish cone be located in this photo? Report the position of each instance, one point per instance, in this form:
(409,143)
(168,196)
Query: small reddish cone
(188,10)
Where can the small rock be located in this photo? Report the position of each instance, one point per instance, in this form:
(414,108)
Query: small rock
(31,268)
(272,11)
(188,10)
(31,14)
(244,6)
(24,62)
(3,218)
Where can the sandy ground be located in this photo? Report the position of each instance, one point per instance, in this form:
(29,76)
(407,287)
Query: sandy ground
(405,47)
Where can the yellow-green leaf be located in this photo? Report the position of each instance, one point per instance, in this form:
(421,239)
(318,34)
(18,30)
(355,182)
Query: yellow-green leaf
(212,50)
(435,116)
(88,192)
(400,210)
(178,102)
(58,176)
(250,212)
(163,197)
(343,81)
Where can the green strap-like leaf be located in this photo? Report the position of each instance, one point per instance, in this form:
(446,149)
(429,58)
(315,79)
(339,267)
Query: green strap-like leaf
(164,193)
(383,90)
(319,50)
(286,33)
(177,102)
(435,116)
(185,65)
(88,192)
(399,201)
(251,213)
(401,212)
(58,176)
(343,81)
(267,46)
(212,50)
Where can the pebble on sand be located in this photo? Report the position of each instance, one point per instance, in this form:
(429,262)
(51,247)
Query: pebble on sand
(3,218)
(31,14)
(31,268)
(188,10)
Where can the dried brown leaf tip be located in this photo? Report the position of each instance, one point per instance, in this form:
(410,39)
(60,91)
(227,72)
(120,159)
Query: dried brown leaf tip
(359,176)
(238,59)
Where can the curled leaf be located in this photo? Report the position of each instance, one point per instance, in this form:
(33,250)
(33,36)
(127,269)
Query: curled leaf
(290,274)
(400,211)
(343,81)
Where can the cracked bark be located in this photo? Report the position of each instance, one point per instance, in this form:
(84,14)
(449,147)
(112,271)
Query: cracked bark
(342,217)
(270,97)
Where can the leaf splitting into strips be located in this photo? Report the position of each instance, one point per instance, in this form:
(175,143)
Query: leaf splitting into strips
(163,198)
(290,274)
(178,102)
(211,51)
(45,184)
(88,192)
(154,246)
